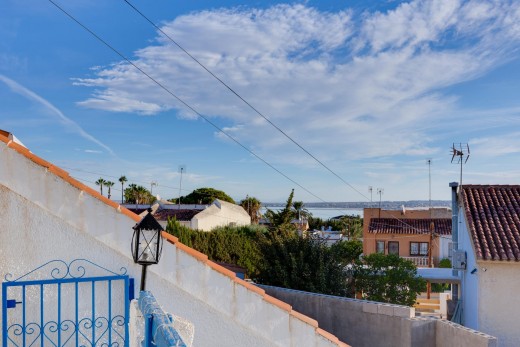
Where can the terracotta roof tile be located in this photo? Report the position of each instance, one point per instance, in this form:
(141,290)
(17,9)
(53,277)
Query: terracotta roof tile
(304,318)
(442,226)
(492,212)
(279,303)
(327,335)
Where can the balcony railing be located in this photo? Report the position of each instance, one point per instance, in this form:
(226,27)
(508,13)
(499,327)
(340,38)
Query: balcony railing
(418,261)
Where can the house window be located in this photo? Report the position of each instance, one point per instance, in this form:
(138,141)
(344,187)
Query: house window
(419,248)
(380,247)
(393,247)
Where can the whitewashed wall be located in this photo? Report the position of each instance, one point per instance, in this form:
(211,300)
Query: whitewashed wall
(44,217)
(469,281)
(220,215)
(499,305)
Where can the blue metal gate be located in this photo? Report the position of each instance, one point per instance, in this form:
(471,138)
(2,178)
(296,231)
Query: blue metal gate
(57,305)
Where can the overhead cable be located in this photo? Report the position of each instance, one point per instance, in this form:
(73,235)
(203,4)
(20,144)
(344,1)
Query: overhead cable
(179,99)
(242,99)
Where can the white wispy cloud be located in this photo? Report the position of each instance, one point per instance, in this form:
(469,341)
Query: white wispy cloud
(64,120)
(370,85)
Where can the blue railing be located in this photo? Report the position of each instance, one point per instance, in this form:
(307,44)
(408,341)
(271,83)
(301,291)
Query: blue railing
(158,325)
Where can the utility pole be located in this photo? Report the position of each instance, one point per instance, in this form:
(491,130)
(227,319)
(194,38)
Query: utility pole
(182,169)
(432,227)
(380,191)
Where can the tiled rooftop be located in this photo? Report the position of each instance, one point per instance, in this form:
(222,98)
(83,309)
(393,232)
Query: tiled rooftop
(180,215)
(492,212)
(442,226)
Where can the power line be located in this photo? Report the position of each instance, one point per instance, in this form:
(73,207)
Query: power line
(179,99)
(206,118)
(241,98)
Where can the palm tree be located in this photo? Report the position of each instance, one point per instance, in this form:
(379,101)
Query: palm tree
(109,185)
(252,205)
(100,182)
(300,210)
(122,179)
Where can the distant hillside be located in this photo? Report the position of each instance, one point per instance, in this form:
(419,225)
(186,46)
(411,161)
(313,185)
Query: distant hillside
(387,205)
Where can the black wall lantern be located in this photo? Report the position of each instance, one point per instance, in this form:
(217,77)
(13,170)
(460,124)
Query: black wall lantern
(147,243)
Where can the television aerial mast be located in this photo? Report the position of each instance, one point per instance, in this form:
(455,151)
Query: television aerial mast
(461,151)
(182,169)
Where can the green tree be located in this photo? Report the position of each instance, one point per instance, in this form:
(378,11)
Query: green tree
(100,182)
(122,180)
(204,196)
(252,206)
(387,278)
(234,245)
(282,219)
(347,252)
(135,194)
(300,211)
(295,262)
(109,184)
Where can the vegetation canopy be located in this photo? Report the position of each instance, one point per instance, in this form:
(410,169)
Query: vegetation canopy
(387,278)
(279,256)
(204,196)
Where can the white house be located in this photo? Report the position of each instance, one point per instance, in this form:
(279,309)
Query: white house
(220,213)
(489,238)
(47,215)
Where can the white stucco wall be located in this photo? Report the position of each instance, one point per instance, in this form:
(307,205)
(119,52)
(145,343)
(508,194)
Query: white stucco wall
(444,247)
(220,214)
(498,302)
(469,281)
(44,217)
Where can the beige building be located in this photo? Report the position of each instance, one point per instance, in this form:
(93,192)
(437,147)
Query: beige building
(409,233)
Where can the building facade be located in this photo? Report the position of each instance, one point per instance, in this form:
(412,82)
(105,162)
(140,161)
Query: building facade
(409,233)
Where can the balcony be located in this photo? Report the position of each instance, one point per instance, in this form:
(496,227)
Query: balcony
(418,261)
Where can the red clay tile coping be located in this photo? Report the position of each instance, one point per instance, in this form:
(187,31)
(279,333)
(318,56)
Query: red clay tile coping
(66,177)
(170,238)
(272,300)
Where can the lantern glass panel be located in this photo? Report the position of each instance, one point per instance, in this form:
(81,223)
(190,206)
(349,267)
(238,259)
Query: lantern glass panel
(147,251)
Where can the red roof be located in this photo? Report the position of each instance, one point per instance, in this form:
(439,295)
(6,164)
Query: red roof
(180,215)
(415,226)
(492,212)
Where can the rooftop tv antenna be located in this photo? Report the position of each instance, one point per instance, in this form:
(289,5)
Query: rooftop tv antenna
(461,151)
(370,189)
(182,169)
(429,162)
(380,191)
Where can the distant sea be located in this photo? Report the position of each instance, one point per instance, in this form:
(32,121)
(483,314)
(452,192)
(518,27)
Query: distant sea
(333,209)
(326,213)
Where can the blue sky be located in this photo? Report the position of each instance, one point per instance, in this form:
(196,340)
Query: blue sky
(372,89)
